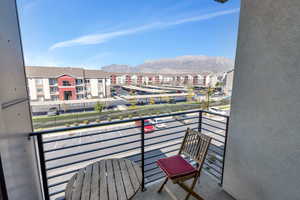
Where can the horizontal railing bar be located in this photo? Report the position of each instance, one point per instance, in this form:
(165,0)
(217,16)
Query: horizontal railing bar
(58,192)
(220,160)
(153,174)
(161,148)
(168,134)
(161,154)
(90,134)
(205,164)
(151,163)
(222,142)
(215,152)
(213,120)
(93,142)
(93,158)
(114,122)
(212,113)
(215,146)
(208,130)
(175,120)
(56,184)
(151,169)
(63,174)
(223,129)
(215,176)
(89,151)
(177,138)
(160,177)
(177,126)
(214,164)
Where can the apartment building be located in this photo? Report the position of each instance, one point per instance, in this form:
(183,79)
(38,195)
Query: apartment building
(202,79)
(228,82)
(66,83)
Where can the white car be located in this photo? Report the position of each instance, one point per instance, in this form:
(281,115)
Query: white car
(218,111)
(159,123)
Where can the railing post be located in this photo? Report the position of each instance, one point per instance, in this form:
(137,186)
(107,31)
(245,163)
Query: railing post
(143,152)
(224,153)
(43,166)
(200,121)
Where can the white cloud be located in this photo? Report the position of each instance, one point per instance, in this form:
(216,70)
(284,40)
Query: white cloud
(104,37)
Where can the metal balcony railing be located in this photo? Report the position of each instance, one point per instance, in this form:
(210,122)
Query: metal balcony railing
(62,152)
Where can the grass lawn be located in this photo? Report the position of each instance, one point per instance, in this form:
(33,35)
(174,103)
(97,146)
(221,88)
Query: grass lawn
(86,117)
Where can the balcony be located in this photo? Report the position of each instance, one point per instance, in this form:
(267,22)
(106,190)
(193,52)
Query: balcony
(208,188)
(63,152)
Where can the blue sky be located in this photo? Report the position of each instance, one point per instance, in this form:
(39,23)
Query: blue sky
(95,33)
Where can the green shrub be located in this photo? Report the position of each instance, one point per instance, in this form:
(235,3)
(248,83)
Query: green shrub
(109,119)
(75,124)
(86,122)
(97,120)
(67,125)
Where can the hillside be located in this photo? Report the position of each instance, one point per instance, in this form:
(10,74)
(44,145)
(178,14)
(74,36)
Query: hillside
(181,64)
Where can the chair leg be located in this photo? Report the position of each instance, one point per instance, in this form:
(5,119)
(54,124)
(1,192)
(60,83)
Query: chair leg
(162,186)
(190,190)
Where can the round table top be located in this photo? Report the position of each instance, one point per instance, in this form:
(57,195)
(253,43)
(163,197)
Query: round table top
(105,180)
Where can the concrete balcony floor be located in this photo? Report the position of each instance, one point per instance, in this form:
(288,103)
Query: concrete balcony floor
(206,187)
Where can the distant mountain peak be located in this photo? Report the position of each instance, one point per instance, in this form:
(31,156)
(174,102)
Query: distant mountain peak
(180,64)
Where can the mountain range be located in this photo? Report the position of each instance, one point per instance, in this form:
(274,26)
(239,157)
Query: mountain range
(180,64)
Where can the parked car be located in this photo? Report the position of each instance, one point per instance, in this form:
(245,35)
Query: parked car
(53,111)
(148,126)
(218,111)
(182,118)
(159,123)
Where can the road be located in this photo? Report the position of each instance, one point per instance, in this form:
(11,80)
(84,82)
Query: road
(161,141)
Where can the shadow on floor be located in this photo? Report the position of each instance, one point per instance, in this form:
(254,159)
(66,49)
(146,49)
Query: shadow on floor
(208,189)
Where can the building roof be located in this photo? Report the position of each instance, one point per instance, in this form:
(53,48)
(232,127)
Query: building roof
(94,73)
(54,72)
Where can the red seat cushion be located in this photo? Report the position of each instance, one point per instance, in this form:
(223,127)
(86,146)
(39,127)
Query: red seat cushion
(175,166)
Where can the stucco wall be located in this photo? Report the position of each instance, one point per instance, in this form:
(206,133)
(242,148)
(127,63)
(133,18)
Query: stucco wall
(263,154)
(32,89)
(94,87)
(17,153)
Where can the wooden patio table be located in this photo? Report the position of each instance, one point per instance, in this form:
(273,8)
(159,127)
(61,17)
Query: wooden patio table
(111,179)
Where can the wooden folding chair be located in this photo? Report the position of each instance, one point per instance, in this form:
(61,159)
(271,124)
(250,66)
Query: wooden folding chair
(178,170)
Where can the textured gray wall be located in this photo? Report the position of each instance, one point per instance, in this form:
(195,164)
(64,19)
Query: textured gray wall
(263,155)
(17,153)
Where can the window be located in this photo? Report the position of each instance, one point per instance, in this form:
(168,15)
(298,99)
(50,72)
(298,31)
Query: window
(39,89)
(100,80)
(80,96)
(54,98)
(79,81)
(40,98)
(52,81)
(39,81)
(53,89)
(87,80)
(79,89)
(66,83)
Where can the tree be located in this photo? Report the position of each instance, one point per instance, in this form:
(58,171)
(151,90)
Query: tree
(190,94)
(207,92)
(99,107)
